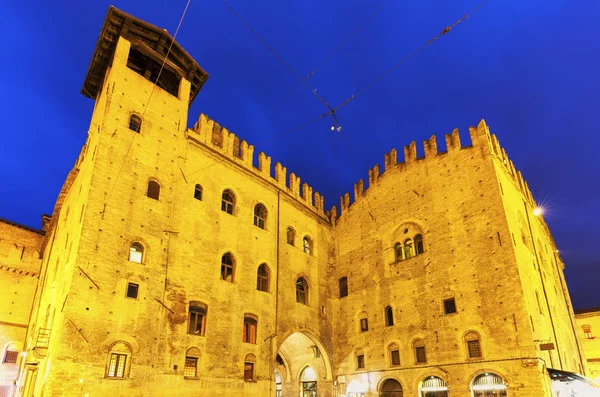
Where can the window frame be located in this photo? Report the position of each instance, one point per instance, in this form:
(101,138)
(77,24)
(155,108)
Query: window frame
(121,352)
(137,290)
(135,118)
(250,362)
(587,331)
(420,351)
(189,359)
(263,279)
(418,244)
(469,338)
(228,203)
(196,311)
(301,282)
(343,286)
(260,216)
(250,330)
(449,304)
(389,316)
(9,355)
(140,249)
(198,191)
(360,359)
(291,236)
(364,324)
(307,245)
(228,268)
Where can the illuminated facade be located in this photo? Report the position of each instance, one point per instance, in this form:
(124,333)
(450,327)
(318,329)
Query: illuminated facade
(173,264)
(588,328)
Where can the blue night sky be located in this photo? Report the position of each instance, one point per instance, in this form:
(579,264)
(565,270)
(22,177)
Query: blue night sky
(530,68)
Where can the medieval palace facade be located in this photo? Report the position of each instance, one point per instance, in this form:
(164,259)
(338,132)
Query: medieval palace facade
(173,265)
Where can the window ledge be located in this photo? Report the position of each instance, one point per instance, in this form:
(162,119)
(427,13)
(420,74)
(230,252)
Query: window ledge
(406,260)
(191,378)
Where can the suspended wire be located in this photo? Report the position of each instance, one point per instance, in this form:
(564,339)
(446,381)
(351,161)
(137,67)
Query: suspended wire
(287,65)
(149,97)
(445,31)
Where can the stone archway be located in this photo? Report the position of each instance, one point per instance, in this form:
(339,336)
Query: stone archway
(301,350)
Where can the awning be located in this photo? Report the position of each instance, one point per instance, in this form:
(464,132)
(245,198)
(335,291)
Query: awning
(570,377)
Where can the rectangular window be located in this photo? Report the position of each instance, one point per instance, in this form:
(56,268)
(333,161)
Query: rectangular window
(449,306)
(474,349)
(191,367)
(420,353)
(587,331)
(196,322)
(343,287)
(116,367)
(364,325)
(10,357)
(132,290)
(250,330)
(248,372)
(395,354)
(360,361)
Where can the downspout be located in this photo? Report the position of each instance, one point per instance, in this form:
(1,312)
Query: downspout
(543,285)
(271,365)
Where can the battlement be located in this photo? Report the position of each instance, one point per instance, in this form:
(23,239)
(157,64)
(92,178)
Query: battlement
(480,138)
(209,133)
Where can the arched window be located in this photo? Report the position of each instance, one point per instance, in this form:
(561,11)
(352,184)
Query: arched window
(302,291)
(343,287)
(135,123)
(420,356)
(190,370)
(262,278)
(260,215)
(389,316)
(197,318)
(391,388)
(360,359)
(408,248)
(118,360)
(291,235)
(227,267)
(11,354)
(249,362)
(394,354)
(398,251)
(136,252)
(250,328)
(308,382)
(308,245)
(419,249)
(198,192)
(488,385)
(473,345)
(434,387)
(153,190)
(227,201)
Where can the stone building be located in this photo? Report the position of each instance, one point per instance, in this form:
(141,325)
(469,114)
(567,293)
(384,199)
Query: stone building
(173,264)
(588,327)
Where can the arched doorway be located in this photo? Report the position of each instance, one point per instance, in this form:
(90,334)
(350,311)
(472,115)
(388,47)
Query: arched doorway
(308,382)
(391,388)
(488,385)
(303,365)
(434,387)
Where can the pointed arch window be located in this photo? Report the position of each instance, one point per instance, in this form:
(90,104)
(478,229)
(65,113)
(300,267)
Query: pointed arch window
(260,215)
(343,284)
(136,252)
(307,245)
(227,201)
(197,318)
(308,382)
(227,267)
(291,236)
(394,354)
(419,248)
(153,190)
(262,278)
(408,248)
(389,316)
(420,355)
(473,345)
(302,291)
(198,192)
(398,251)
(135,123)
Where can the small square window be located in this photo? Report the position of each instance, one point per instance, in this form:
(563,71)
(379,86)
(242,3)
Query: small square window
(132,290)
(449,306)
(364,325)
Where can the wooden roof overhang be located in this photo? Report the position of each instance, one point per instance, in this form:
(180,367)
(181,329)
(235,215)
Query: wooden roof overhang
(147,38)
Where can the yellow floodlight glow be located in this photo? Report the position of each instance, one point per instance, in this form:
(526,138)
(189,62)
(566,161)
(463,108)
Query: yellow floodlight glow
(537,211)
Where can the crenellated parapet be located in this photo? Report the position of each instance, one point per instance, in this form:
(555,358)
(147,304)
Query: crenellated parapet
(208,133)
(481,139)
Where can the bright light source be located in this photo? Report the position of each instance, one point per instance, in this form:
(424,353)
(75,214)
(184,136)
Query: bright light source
(23,354)
(537,211)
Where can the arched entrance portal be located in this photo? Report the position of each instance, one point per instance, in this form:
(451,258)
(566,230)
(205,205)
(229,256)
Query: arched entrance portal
(303,366)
